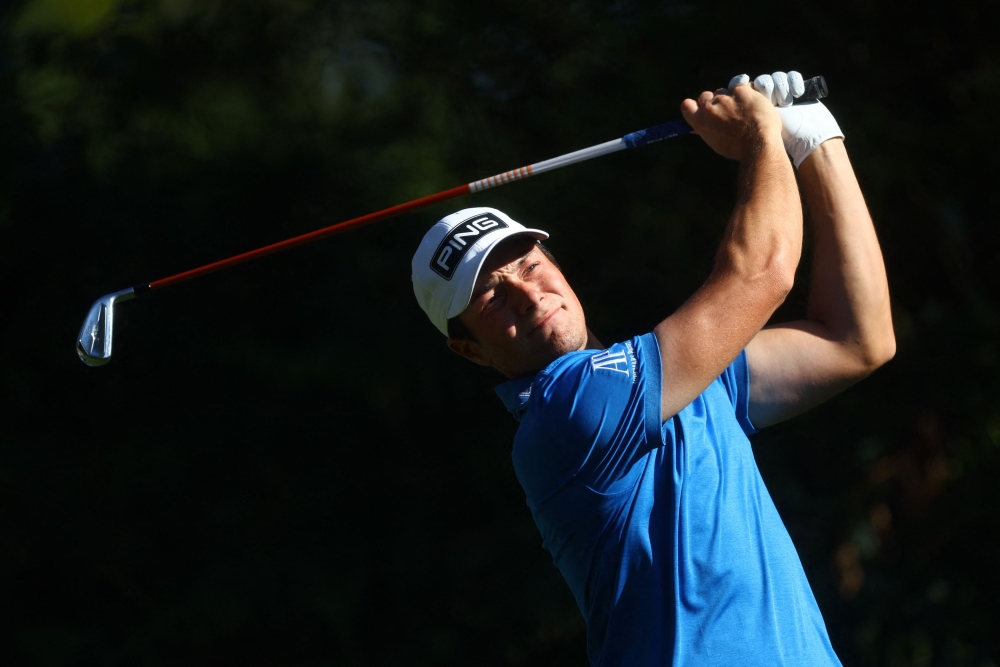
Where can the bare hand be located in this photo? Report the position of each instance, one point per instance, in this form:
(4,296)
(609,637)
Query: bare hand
(733,123)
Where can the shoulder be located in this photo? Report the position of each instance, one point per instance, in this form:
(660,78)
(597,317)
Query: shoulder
(589,371)
(580,389)
(587,416)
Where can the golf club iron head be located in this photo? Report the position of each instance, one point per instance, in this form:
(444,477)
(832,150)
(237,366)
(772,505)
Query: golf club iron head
(94,342)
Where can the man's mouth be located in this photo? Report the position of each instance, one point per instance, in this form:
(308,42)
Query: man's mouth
(548,316)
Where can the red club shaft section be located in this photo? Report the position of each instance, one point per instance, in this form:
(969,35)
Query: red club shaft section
(312,236)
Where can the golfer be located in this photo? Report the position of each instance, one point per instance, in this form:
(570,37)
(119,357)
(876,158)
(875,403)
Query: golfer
(634,456)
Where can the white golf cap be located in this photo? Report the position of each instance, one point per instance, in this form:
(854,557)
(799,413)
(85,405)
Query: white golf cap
(447,263)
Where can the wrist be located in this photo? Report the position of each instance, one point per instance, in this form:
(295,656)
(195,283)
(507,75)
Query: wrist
(807,127)
(764,143)
(830,149)
(829,158)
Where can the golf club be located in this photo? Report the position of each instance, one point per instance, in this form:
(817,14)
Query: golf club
(93,345)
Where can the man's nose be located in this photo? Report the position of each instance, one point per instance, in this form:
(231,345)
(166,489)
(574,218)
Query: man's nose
(525,295)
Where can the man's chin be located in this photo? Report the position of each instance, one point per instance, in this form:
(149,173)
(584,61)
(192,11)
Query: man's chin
(557,345)
(573,340)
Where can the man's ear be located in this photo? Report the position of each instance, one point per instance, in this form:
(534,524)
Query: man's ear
(471,350)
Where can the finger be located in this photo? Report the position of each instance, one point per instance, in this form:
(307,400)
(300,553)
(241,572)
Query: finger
(720,95)
(705,98)
(781,97)
(688,109)
(764,85)
(796,84)
(738,80)
(741,92)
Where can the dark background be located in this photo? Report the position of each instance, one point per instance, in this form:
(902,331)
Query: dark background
(283,465)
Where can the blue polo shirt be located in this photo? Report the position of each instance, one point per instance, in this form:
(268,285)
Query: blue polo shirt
(664,532)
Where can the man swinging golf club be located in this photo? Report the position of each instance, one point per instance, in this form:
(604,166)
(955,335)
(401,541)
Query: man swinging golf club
(634,457)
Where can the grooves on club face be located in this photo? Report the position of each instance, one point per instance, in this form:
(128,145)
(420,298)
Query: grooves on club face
(93,345)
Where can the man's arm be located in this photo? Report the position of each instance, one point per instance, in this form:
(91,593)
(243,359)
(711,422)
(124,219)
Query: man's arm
(755,265)
(848,331)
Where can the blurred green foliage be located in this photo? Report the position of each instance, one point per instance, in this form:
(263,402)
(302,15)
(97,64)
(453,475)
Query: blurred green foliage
(78,18)
(283,464)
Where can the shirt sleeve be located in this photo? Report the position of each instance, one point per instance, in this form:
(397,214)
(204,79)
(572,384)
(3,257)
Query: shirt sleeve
(736,380)
(592,413)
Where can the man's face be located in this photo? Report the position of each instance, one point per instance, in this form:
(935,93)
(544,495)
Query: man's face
(523,313)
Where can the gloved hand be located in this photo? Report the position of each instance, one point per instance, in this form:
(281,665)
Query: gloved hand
(804,126)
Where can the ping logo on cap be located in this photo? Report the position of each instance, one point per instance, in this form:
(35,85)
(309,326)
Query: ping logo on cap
(458,241)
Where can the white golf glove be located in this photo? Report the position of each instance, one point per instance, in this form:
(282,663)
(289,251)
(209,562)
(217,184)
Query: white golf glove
(804,126)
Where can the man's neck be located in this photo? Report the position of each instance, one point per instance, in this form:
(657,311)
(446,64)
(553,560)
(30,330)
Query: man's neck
(592,342)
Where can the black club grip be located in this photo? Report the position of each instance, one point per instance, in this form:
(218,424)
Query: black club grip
(815,90)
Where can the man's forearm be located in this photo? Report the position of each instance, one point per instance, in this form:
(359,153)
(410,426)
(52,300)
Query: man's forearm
(849,293)
(765,231)
(755,265)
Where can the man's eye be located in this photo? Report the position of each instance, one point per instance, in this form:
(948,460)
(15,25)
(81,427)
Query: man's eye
(532,267)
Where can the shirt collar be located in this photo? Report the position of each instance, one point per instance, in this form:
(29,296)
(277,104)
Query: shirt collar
(515,394)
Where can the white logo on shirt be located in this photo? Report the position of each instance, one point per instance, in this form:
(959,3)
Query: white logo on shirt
(610,361)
